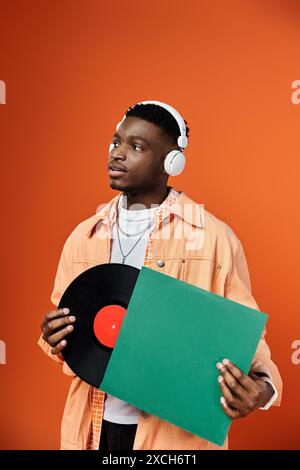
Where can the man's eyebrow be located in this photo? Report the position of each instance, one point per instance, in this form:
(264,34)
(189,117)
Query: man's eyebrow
(130,137)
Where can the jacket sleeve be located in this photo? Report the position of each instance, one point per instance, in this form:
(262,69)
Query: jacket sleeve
(64,276)
(238,288)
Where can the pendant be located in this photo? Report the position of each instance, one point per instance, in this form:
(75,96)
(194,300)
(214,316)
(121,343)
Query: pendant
(124,257)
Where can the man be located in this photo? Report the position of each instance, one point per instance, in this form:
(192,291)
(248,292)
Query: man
(128,230)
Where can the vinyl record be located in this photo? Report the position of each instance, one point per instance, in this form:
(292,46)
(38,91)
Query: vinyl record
(98,298)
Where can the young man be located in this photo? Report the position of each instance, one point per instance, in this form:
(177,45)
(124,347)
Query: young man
(129,229)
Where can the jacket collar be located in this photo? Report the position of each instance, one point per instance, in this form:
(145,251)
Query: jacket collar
(188,210)
(180,205)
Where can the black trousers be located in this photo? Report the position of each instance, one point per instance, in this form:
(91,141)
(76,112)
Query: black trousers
(117,436)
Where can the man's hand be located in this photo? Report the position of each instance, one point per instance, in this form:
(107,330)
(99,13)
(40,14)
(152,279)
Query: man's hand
(242,393)
(55,326)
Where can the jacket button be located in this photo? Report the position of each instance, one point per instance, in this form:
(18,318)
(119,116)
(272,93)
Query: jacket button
(160,263)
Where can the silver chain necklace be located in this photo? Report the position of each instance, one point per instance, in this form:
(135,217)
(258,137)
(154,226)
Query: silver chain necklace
(130,235)
(118,227)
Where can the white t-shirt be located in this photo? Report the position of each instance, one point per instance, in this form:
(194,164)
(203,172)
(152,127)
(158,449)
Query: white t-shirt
(130,221)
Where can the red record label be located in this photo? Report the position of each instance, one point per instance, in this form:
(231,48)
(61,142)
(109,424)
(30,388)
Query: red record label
(107,324)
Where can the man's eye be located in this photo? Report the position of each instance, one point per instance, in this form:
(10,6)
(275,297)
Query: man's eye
(136,147)
(115,142)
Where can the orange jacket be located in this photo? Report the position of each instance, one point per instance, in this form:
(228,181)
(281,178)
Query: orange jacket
(195,247)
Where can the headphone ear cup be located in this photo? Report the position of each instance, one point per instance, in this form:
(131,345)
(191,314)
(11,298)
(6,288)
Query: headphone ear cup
(174,163)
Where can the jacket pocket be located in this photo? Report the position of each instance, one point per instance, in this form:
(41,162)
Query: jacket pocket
(206,273)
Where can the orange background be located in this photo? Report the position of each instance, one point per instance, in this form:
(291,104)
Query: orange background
(72,68)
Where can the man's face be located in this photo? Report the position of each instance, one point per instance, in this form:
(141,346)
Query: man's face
(136,161)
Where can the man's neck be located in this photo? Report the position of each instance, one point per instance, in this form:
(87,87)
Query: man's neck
(145,200)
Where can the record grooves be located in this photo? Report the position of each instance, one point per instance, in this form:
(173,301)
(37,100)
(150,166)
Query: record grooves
(98,298)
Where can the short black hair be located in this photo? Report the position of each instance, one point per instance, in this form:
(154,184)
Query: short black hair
(159,116)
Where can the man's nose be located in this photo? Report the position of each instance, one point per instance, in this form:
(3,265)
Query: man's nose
(118,153)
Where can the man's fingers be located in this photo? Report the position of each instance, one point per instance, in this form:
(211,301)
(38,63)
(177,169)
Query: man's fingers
(242,378)
(59,347)
(54,339)
(243,400)
(55,326)
(235,387)
(231,400)
(54,314)
(233,414)
(57,313)
(236,380)
(52,326)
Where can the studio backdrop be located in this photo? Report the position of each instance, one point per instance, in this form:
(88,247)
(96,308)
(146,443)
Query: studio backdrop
(68,72)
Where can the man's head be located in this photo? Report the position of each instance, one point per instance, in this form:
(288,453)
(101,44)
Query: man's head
(139,147)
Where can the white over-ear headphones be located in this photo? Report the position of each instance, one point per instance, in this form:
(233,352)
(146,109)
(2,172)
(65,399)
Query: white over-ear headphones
(175,160)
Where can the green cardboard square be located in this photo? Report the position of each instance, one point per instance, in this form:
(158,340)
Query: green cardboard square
(164,360)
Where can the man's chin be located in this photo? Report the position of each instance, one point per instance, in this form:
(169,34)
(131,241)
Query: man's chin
(117,185)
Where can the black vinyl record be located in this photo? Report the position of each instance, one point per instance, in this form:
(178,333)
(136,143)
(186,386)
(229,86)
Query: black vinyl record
(97,298)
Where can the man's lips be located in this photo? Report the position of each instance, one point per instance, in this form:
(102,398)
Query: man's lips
(116,170)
